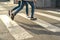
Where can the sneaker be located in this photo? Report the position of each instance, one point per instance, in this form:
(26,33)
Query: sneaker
(9,12)
(12,16)
(33,18)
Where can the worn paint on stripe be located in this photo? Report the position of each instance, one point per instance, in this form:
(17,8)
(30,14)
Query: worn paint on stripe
(44,24)
(49,16)
(16,31)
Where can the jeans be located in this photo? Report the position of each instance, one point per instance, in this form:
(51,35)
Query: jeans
(32,8)
(19,2)
(21,7)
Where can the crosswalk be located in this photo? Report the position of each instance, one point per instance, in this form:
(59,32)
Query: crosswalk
(19,33)
(44,24)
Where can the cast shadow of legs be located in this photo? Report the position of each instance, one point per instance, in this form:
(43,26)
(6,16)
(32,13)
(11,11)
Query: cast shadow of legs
(36,29)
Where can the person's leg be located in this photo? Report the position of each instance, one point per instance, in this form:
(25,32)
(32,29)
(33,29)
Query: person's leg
(10,11)
(32,8)
(17,10)
(19,2)
(26,8)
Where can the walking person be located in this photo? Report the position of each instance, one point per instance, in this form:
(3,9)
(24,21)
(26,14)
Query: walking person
(31,2)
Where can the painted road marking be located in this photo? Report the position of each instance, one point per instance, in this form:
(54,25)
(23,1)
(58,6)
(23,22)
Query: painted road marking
(54,12)
(44,24)
(49,16)
(16,31)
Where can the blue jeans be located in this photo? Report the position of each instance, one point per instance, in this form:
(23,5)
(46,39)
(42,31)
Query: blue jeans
(32,8)
(19,2)
(26,3)
(20,7)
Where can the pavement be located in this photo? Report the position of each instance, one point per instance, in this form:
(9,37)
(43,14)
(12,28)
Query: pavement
(46,27)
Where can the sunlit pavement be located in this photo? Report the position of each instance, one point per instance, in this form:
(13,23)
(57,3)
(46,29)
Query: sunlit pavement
(46,27)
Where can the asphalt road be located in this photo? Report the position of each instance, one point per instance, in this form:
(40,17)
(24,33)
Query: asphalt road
(38,32)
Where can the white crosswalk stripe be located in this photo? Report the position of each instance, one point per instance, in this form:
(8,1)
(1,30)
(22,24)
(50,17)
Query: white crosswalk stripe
(16,31)
(49,16)
(44,24)
(54,12)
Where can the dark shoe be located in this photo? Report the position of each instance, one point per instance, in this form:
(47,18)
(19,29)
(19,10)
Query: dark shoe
(33,18)
(9,12)
(12,16)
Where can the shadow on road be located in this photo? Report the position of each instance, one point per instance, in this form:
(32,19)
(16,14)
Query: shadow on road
(36,29)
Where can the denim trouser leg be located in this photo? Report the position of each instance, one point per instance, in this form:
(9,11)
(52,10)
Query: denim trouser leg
(26,9)
(32,6)
(18,9)
(16,6)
